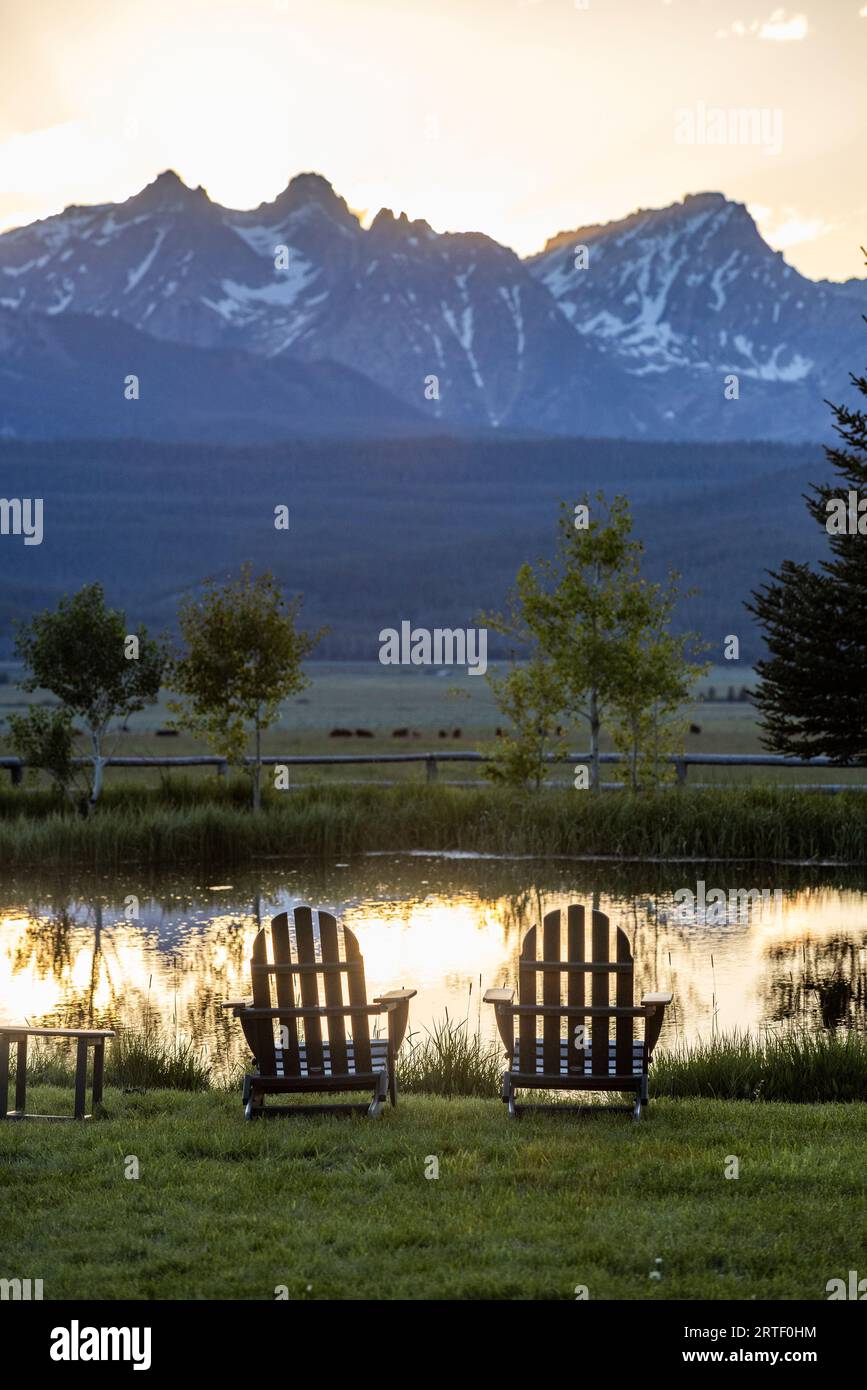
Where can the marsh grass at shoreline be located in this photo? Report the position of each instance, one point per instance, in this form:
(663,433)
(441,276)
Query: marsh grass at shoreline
(792,1066)
(188,823)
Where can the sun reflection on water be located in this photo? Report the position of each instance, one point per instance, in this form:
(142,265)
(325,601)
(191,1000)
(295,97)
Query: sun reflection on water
(447,935)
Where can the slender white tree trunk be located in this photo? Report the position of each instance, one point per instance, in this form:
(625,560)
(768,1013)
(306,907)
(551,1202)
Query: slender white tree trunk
(257,770)
(98,766)
(594,740)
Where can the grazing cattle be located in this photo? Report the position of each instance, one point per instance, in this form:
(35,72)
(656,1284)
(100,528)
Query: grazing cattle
(167,733)
(695,728)
(340,733)
(363,733)
(400,733)
(498,733)
(456,733)
(443,733)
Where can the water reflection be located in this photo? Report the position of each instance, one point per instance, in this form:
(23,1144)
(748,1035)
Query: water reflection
(164,952)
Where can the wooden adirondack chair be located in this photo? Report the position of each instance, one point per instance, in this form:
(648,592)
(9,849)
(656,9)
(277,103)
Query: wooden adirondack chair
(583,1058)
(298,1059)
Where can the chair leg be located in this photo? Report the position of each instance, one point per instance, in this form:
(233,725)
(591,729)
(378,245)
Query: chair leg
(4,1077)
(254,1103)
(392,1085)
(21,1078)
(509,1097)
(98,1072)
(374,1110)
(80,1077)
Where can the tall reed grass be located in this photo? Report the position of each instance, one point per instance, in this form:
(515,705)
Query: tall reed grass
(449,1060)
(191,825)
(794,1066)
(135,1061)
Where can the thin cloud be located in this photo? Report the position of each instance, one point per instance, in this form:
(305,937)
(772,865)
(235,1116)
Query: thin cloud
(788,227)
(779,27)
(783,28)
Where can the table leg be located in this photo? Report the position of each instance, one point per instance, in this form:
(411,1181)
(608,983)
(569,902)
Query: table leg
(4,1077)
(80,1077)
(98,1067)
(21,1076)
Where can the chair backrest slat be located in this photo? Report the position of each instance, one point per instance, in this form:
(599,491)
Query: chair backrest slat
(261,1031)
(575,996)
(625,1023)
(285,991)
(599,1046)
(306,950)
(551,951)
(333,986)
(357,991)
(527,995)
(588,1040)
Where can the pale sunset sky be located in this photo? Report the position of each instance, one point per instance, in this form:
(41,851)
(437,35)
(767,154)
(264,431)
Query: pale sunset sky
(519,118)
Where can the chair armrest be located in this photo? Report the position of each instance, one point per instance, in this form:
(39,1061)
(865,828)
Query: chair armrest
(395,996)
(396,1005)
(236,1004)
(502,1000)
(655,1005)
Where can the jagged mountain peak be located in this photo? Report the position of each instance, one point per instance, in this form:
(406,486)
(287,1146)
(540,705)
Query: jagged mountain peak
(311,191)
(386,225)
(695,210)
(168,193)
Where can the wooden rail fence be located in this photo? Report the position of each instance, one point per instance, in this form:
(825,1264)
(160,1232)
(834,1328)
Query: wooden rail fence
(681,762)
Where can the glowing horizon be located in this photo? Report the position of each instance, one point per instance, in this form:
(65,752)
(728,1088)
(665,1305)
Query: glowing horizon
(515,118)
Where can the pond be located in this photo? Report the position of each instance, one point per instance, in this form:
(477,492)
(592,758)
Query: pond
(163,950)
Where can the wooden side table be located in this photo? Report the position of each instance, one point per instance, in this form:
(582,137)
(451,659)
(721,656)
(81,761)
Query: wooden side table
(86,1037)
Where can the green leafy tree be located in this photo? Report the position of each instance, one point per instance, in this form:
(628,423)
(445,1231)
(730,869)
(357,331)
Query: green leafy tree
(812,694)
(84,654)
(45,740)
(242,658)
(530,696)
(570,608)
(599,632)
(657,673)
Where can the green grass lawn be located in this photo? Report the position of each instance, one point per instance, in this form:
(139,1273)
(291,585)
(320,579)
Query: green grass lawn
(342,1208)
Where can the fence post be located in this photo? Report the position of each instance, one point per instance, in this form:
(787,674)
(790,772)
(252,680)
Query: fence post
(680,769)
(222,769)
(16,774)
(431,765)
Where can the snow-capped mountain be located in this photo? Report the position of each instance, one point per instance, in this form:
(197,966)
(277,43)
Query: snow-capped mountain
(695,286)
(457,327)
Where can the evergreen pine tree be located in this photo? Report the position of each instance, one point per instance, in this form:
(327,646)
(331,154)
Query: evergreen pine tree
(813,690)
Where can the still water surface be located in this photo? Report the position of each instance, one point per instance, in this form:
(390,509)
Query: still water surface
(164,950)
